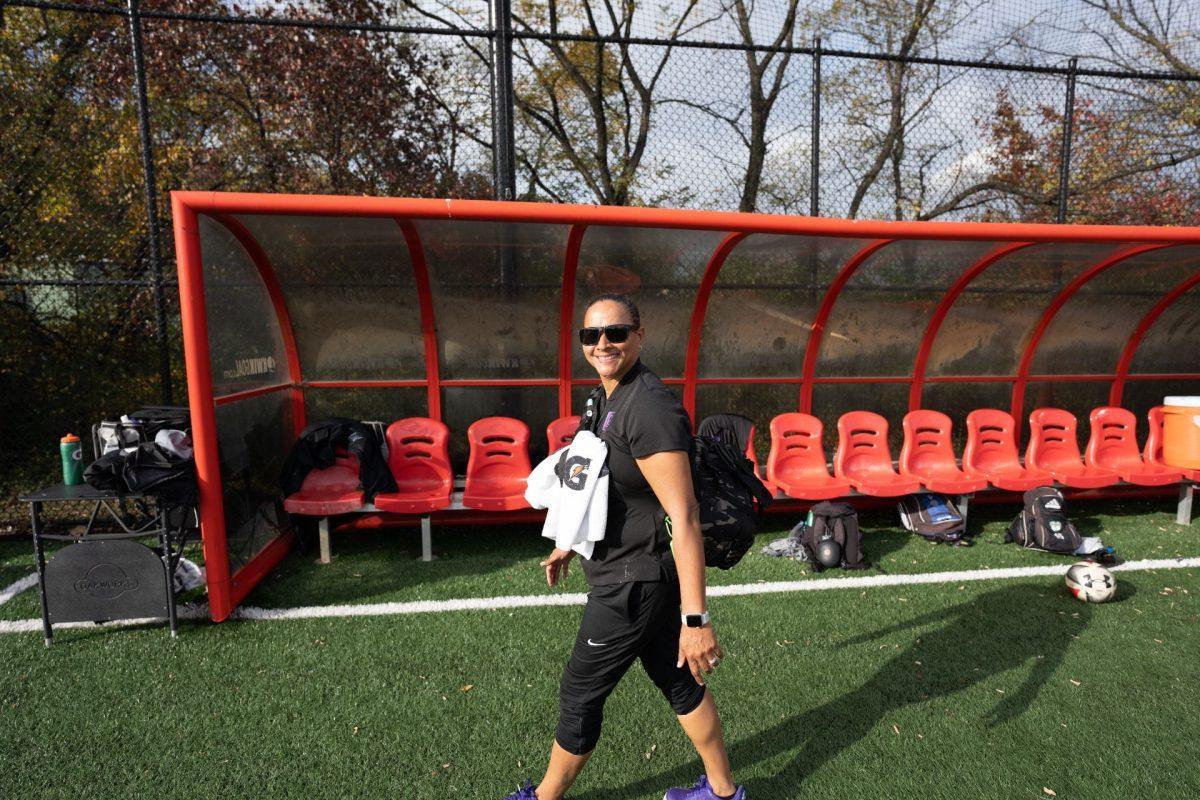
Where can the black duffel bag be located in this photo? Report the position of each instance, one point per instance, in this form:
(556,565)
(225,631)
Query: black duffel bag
(145,469)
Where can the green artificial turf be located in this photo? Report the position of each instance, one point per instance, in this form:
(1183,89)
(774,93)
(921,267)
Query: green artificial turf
(381,565)
(988,689)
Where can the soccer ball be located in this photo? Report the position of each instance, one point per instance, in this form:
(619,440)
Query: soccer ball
(1091,582)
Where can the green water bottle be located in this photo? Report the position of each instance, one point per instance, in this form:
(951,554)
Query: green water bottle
(72,459)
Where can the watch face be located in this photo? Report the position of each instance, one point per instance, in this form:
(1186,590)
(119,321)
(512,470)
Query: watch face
(695,620)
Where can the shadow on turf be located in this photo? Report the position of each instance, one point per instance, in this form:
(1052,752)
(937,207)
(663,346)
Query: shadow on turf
(965,649)
(375,563)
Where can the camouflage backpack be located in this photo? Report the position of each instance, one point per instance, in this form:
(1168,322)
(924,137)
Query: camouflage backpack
(731,498)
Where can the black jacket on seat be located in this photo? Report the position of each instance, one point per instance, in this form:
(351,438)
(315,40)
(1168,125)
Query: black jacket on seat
(318,445)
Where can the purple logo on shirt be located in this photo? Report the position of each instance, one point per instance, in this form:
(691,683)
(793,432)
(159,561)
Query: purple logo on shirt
(607,420)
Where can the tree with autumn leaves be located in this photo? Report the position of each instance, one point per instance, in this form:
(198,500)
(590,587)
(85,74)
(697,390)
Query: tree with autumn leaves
(1120,173)
(246,107)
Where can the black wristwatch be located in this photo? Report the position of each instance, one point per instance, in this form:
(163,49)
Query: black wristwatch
(695,620)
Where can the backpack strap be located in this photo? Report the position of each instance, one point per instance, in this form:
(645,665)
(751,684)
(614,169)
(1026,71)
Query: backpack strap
(813,534)
(852,553)
(590,419)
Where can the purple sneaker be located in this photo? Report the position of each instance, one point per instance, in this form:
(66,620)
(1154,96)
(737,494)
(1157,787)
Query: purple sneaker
(701,791)
(525,793)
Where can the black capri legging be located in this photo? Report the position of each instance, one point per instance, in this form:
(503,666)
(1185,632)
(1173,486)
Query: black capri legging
(622,622)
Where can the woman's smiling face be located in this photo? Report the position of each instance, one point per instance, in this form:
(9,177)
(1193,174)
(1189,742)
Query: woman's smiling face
(610,360)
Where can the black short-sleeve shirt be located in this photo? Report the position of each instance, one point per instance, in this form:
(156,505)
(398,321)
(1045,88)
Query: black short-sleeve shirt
(641,418)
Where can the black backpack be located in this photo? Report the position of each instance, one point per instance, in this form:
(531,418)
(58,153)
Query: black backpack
(145,469)
(1043,524)
(731,497)
(933,516)
(837,521)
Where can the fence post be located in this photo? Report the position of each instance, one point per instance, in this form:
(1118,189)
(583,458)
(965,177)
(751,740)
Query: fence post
(504,148)
(151,196)
(814,208)
(1064,173)
(503,144)
(814,187)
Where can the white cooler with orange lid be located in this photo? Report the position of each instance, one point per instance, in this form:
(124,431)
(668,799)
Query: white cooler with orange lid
(1181,431)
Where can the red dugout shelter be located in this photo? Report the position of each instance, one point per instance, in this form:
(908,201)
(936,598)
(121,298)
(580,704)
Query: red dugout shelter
(299,307)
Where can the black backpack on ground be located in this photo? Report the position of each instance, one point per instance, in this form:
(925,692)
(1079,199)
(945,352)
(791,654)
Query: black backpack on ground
(731,497)
(934,517)
(1043,524)
(839,522)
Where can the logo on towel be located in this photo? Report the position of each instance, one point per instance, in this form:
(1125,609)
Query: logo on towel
(572,470)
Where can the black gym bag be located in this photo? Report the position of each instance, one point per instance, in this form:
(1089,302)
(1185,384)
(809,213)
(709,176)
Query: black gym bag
(839,522)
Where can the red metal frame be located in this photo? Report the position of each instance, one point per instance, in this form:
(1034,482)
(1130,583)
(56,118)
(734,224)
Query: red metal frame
(226,399)
(1018,394)
(416,252)
(278,302)
(566,314)
(727,221)
(1139,333)
(812,350)
(416,384)
(227,590)
(198,364)
(691,358)
(943,309)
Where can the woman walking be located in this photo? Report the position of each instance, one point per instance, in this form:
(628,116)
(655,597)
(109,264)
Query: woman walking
(647,598)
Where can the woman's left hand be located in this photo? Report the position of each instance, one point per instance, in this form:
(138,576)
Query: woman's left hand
(557,565)
(698,648)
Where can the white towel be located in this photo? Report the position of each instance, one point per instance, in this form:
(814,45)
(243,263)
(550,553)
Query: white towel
(573,484)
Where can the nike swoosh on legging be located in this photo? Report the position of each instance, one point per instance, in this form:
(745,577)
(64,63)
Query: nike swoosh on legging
(597,644)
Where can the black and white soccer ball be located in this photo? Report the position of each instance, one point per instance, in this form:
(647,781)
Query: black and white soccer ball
(1090,582)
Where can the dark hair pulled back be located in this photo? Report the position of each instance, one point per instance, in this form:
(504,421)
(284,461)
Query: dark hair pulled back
(623,299)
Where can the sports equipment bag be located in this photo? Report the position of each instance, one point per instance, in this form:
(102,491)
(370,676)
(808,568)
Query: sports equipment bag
(933,516)
(1043,524)
(146,469)
(731,498)
(138,428)
(839,522)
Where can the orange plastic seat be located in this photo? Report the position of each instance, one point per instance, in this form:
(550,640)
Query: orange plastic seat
(991,452)
(928,456)
(419,458)
(1113,445)
(1153,452)
(796,463)
(561,432)
(1054,449)
(498,465)
(864,458)
(333,490)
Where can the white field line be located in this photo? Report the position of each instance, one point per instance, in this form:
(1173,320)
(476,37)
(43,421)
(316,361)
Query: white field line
(200,611)
(28,582)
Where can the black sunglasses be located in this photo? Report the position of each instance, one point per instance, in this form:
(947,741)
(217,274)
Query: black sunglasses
(616,334)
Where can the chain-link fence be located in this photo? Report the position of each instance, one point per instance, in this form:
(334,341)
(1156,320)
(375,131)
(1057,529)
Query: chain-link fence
(891,109)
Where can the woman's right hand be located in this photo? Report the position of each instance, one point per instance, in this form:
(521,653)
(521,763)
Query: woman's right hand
(556,565)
